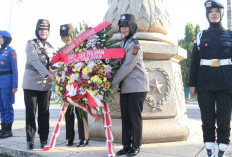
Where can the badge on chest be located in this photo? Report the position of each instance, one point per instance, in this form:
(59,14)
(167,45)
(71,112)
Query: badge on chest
(135,50)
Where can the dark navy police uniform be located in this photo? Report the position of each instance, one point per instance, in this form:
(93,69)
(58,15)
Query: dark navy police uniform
(211,74)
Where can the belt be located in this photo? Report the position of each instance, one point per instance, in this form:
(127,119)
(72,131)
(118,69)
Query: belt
(5,72)
(215,62)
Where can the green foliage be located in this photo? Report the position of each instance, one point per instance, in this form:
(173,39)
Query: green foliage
(187,43)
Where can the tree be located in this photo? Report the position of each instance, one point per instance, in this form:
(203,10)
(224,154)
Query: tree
(229,14)
(187,43)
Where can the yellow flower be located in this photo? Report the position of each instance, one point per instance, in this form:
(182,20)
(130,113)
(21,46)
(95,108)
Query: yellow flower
(99,81)
(105,79)
(104,65)
(94,78)
(57,89)
(58,79)
(95,92)
(85,71)
(79,69)
(90,70)
(74,70)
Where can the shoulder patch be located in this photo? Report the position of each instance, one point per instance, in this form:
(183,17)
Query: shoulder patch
(14,56)
(135,50)
(136,41)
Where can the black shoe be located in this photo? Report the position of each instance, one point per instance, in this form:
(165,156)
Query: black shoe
(43,143)
(6,134)
(70,143)
(3,127)
(133,151)
(123,151)
(83,143)
(30,145)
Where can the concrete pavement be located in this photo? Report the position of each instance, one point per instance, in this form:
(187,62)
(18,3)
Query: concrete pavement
(16,145)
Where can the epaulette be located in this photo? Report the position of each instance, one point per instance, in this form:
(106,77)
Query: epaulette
(30,40)
(136,41)
(10,49)
(33,40)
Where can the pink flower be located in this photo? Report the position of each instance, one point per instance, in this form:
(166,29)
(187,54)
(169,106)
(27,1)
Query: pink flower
(108,69)
(108,75)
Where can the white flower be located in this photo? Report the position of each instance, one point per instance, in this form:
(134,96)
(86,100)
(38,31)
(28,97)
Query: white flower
(57,65)
(107,61)
(85,77)
(100,97)
(91,64)
(82,91)
(71,90)
(108,69)
(74,77)
(99,61)
(63,77)
(77,65)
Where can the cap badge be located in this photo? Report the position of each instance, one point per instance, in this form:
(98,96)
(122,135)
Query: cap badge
(208,4)
(63,28)
(123,17)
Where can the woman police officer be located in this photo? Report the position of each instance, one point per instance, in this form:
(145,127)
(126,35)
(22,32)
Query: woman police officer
(37,83)
(211,78)
(134,87)
(8,84)
(66,33)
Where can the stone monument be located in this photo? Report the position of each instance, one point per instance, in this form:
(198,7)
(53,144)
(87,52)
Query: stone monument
(164,117)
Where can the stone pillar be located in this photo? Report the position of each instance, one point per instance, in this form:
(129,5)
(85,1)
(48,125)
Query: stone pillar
(164,109)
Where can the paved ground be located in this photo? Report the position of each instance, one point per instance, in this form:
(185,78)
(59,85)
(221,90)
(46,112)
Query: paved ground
(16,145)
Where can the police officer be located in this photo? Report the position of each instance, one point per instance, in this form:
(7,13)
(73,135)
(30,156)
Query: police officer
(8,83)
(66,33)
(37,83)
(211,78)
(134,87)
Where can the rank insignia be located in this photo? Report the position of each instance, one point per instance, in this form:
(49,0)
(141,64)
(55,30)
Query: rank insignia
(2,62)
(135,50)
(5,51)
(208,4)
(14,55)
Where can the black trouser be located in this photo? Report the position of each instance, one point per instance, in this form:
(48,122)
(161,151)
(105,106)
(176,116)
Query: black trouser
(208,101)
(82,118)
(32,99)
(131,109)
